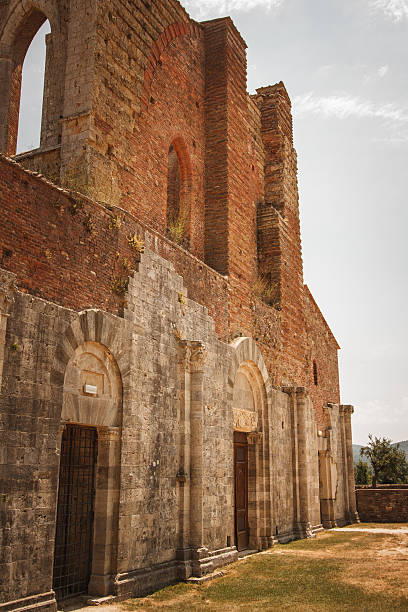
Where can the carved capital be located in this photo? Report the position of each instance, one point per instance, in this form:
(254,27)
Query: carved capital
(300,392)
(109,434)
(8,290)
(184,355)
(192,356)
(198,356)
(255,437)
(346,409)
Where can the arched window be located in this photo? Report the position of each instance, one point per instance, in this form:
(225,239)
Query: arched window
(178,192)
(26,29)
(32,92)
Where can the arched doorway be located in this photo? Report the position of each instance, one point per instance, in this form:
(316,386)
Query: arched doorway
(88,494)
(250,406)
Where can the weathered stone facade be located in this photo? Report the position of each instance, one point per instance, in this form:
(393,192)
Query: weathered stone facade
(158,344)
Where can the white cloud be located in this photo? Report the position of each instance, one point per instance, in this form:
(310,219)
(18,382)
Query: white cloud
(397,10)
(383,70)
(345,106)
(215,8)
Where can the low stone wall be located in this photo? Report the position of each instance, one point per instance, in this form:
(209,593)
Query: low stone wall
(383,505)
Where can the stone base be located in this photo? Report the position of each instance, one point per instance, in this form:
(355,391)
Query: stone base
(146,580)
(189,562)
(206,578)
(100,586)
(45,602)
(304,530)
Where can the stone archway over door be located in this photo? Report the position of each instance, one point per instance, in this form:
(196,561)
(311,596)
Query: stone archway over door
(250,395)
(87,514)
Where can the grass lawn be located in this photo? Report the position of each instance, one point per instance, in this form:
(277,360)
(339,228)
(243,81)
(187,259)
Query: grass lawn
(336,571)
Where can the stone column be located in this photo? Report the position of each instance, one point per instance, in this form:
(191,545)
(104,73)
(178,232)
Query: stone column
(298,397)
(346,412)
(200,565)
(106,512)
(8,289)
(326,490)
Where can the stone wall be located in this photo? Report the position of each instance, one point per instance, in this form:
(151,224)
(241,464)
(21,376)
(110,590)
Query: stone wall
(388,504)
(176,422)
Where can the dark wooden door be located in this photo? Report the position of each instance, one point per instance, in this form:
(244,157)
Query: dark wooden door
(241,490)
(75,512)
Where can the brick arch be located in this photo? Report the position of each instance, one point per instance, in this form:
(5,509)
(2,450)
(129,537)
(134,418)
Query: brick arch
(21,12)
(179,145)
(173,31)
(24,19)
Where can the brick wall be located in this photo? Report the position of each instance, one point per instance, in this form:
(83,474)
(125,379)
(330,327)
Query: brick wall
(74,252)
(383,505)
(322,349)
(139,78)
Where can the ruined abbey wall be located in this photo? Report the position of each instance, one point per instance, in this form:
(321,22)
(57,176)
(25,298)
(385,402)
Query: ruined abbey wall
(163,345)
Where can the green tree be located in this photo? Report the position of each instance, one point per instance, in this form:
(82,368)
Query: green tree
(362,473)
(388,463)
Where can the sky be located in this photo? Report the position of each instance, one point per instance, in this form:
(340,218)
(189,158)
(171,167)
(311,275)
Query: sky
(344,64)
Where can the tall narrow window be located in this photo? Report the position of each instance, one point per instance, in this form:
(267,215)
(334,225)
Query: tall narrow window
(177,215)
(315,376)
(32,92)
(173,187)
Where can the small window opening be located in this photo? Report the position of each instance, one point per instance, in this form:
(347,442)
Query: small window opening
(315,376)
(32,92)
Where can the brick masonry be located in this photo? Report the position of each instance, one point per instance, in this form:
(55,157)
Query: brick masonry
(383,505)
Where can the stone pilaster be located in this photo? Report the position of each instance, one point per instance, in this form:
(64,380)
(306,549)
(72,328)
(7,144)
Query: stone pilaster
(254,493)
(190,475)
(327,491)
(8,290)
(197,361)
(351,510)
(183,473)
(303,525)
(106,512)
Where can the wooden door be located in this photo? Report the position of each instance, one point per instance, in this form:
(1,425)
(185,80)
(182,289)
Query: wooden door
(241,490)
(75,513)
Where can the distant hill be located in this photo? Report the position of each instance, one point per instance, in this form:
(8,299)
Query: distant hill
(356,453)
(357,448)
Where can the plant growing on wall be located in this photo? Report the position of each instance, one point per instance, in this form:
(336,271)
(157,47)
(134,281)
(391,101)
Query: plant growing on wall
(266,290)
(136,243)
(177,229)
(120,285)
